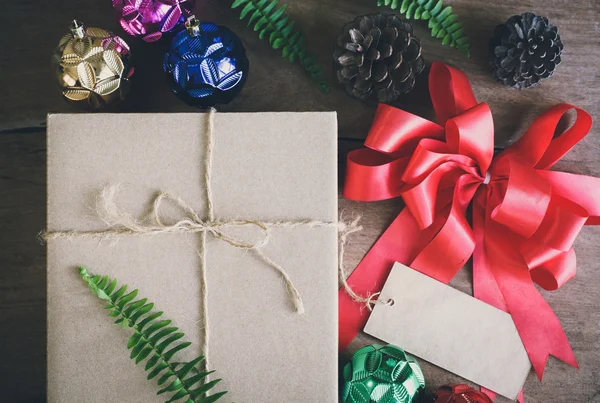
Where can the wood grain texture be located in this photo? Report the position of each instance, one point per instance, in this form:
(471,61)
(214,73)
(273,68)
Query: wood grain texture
(31,29)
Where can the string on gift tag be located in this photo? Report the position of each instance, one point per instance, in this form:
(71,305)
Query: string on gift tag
(371,300)
(122,224)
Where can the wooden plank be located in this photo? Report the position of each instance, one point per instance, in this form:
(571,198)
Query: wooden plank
(22,266)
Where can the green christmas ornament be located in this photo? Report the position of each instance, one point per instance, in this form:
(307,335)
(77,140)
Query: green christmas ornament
(382,374)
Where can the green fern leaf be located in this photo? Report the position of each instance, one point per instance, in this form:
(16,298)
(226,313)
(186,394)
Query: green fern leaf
(453,28)
(165,332)
(125,299)
(277,14)
(142,311)
(248,8)
(154,340)
(462,41)
(119,293)
(443,23)
(446,12)
(111,287)
(188,367)
(135,306)
(418,13)
(410,10)
(260,23)
(286,29)
(158,369)
(103,283)
(168,341)
(156,326)
(404,6)
(193,380)
(152,362)
(273,23)
(435,10)
(148,319)
(207,386)
(134,340)
(450,20)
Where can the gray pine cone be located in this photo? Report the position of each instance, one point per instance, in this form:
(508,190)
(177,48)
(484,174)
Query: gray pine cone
(525,50)
(377,57)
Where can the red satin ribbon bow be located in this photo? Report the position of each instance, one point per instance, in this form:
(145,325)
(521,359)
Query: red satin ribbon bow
(525,217)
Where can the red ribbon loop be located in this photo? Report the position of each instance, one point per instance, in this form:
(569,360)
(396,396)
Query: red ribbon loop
(466,135)
(525,218)
(394,130)
(541,147)
(525,200)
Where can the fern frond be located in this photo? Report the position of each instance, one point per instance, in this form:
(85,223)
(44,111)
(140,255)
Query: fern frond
(155,340)
(272,22)
(443,23)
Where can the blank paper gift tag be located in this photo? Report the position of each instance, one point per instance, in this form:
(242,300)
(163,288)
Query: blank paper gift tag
(452,330)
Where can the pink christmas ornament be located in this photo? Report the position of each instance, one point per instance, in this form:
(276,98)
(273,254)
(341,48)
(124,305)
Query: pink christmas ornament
(150,19)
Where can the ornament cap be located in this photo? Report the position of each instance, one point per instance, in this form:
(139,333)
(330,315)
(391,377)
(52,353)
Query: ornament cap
(192,25)
(77,29)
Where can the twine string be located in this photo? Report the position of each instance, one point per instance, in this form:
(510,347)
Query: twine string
(344,230)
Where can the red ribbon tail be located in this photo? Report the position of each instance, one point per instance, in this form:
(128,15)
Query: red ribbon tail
(502,279)
(539,328)
(397,244)
(543,335)
(485,287)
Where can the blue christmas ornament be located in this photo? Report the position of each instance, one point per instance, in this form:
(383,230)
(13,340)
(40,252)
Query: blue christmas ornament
(206,64)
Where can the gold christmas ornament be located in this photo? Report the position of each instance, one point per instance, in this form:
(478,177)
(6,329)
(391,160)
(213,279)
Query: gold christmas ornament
(92,67)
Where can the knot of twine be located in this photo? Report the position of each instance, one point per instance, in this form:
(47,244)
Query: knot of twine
(122,224)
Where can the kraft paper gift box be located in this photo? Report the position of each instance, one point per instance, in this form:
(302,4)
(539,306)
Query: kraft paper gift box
(265,167)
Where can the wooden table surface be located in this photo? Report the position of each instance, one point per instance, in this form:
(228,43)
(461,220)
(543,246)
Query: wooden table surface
(31,29)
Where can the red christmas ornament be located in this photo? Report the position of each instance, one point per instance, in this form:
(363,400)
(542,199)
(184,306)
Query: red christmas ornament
(460,394)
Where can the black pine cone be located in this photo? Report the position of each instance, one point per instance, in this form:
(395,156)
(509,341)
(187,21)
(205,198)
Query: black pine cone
(525,50)
(377,57)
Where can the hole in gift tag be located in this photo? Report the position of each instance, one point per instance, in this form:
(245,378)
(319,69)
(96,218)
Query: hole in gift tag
(374,300)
